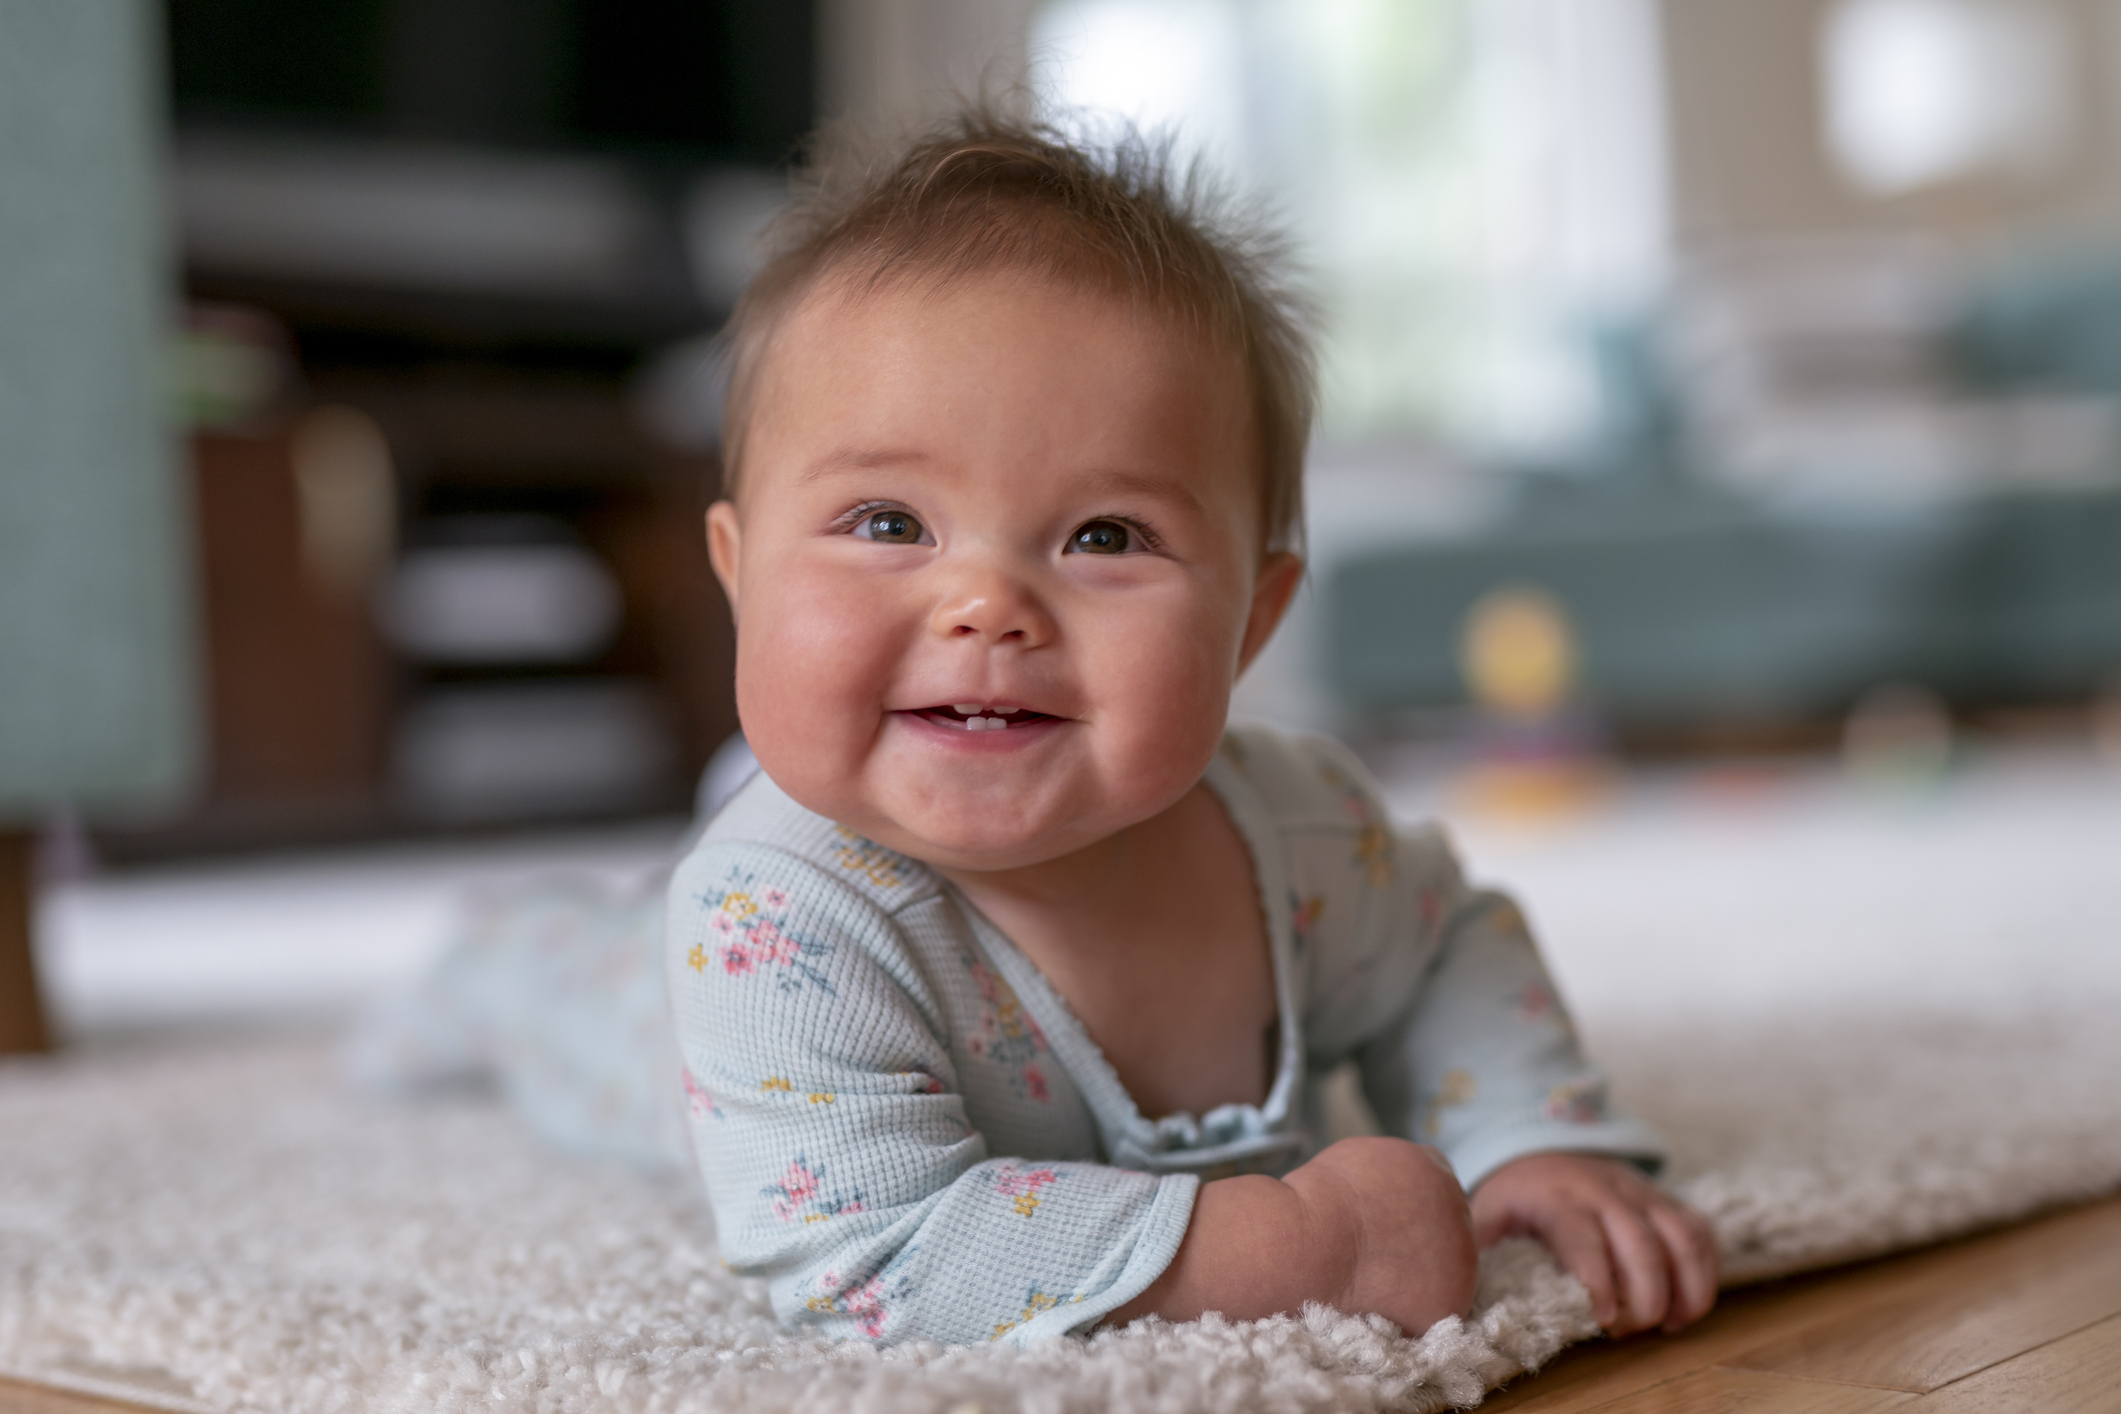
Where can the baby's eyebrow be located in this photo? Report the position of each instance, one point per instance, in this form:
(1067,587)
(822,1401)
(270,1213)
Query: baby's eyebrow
(1114,481)
(1117,481)
(859,459)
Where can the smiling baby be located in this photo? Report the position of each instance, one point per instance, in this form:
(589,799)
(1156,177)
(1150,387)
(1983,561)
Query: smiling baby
(1003,989)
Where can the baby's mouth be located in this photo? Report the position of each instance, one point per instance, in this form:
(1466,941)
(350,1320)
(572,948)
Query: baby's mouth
(972,717)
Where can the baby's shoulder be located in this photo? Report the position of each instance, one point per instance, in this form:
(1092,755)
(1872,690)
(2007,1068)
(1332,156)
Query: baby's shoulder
(761,832)
(1303,780)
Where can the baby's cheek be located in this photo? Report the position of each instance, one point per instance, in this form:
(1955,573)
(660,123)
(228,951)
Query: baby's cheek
(1169,682)
(813,663)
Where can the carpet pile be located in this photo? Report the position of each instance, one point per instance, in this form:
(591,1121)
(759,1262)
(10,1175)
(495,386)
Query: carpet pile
(226,1228)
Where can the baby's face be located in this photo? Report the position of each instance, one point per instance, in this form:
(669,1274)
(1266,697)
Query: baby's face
(994,566)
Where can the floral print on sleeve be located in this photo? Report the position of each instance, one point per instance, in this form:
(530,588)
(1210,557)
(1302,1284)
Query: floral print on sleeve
(868,1299)
(1458,1087)
(800,1196)
(750,937)
(1036,1302)
(1580,1101)
(1021,1184)
(1007,1035)
(1373,842)
(699,1101)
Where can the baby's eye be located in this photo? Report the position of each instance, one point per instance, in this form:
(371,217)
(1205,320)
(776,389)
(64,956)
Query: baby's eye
(891,528)
(1101,537)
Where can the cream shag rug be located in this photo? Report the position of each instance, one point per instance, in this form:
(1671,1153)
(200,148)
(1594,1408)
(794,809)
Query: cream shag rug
(229,1229)
(1840,1010)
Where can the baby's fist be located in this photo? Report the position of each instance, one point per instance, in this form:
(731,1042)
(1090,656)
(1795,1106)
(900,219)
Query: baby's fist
(1646,1259)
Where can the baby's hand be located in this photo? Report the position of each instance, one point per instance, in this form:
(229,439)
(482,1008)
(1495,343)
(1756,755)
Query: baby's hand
(1396,1213)
(1646,1258)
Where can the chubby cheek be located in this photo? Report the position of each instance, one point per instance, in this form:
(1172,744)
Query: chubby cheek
(1161,682)
(814,662)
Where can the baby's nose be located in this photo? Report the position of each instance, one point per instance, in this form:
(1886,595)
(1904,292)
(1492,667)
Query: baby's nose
(995,608)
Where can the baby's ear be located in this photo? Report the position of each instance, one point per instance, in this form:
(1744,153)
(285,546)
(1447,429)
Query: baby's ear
(725,545)
(1271,593)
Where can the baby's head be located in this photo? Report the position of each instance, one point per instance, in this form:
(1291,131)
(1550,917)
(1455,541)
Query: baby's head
(1014,453)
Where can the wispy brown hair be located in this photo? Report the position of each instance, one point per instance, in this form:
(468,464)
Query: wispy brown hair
(984,192)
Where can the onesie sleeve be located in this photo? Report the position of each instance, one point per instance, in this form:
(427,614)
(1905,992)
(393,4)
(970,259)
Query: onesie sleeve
(1480,1058)
(833,1141)
(1434,987)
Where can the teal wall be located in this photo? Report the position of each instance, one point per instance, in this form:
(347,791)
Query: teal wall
(97,657)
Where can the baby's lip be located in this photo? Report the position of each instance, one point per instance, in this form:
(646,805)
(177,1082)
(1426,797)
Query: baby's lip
(981,715)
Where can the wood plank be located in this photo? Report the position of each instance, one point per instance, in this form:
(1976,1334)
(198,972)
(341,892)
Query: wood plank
(1719,1391)
(2020,1296)
(1591,1375)
(2079,1374)
(21,1011)
(17,1398)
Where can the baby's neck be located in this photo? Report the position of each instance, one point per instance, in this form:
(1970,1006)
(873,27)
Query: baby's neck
(1154,937)
(1091,888)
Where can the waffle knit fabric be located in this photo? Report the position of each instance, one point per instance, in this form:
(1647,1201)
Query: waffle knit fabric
(905,1132)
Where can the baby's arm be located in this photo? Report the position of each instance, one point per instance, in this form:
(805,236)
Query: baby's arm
(1369,1226)
(834,1146)
(1485,1063)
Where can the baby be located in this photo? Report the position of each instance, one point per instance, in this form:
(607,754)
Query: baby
(1004,988)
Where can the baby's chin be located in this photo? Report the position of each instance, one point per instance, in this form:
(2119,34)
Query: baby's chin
(968,831)
(977,841)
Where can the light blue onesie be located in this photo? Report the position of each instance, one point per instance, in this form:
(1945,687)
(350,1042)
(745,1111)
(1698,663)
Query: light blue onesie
(905,1131)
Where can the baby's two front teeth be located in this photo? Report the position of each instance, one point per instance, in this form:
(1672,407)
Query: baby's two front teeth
(976,723)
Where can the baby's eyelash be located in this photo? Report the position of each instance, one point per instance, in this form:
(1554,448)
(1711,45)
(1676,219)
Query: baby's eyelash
(849,519)
(1149,536)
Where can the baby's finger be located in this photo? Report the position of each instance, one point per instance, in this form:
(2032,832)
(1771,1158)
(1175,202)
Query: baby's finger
(1576,1237)
(1692,1250)
(1638,1255)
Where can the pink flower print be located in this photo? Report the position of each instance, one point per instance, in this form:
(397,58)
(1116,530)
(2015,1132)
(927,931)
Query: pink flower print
(797,1187)
(1578,1101)
(1006,1033)
(756,940)
(770,944)
(698,1100)
(868,1302)
(1535,1003)
(865,1303)
(800,1196)
(1022,1185)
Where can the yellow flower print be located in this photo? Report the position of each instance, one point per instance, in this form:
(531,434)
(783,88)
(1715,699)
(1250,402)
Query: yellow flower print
(1373,850)
(697,958)
(738,905)
(869,859)
(1037,1302)
(775,1082)
(1458,1087)
(823,1097)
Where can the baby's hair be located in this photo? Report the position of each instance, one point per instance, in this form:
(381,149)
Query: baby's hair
(984,192)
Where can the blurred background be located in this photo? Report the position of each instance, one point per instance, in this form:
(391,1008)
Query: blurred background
(1723,406)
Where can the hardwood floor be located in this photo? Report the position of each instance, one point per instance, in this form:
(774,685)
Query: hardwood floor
(2024,1319)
